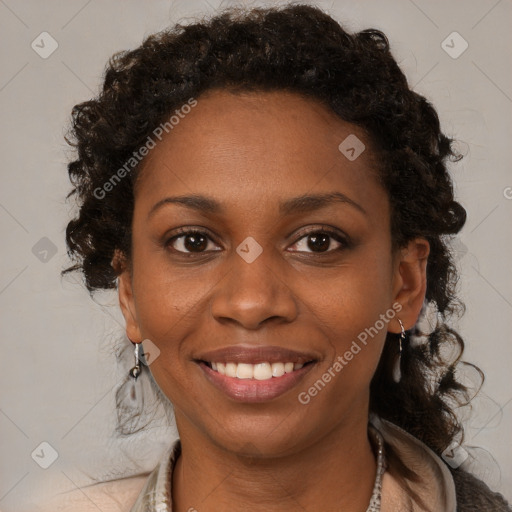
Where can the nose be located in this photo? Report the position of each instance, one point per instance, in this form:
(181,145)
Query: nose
(253,294)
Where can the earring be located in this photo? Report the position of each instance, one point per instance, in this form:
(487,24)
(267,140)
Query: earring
(130,398)
(136,370)
(397,373)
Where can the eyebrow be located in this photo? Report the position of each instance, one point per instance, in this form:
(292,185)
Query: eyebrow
(300,204)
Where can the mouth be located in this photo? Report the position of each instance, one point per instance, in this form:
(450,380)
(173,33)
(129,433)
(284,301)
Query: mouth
(255,374)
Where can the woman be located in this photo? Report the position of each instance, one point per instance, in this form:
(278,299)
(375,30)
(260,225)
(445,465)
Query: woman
(271,201)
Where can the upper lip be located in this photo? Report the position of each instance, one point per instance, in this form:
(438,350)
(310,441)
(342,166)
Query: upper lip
(256,354)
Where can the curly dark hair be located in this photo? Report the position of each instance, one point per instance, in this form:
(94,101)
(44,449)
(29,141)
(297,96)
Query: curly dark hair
(301,49)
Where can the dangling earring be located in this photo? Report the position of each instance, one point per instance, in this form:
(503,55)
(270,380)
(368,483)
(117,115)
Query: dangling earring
(397,372)
(136,370)
(130,397)
(131,393)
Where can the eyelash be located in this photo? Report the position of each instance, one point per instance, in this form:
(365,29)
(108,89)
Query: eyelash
(344,240)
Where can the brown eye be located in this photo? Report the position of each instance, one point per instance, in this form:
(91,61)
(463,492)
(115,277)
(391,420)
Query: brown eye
(320,242)
(191,242)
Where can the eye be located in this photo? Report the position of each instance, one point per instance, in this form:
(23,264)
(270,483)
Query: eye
(191,241)
(321,241)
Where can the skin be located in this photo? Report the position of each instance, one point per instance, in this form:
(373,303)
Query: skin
(249,152)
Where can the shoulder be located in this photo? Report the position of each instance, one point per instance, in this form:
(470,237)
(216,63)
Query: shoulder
(473,495)
(112,496)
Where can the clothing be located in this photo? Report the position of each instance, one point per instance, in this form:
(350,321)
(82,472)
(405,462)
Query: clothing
(441,488)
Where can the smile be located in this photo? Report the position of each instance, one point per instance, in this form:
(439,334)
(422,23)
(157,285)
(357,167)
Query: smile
(255,373)
(256,382)
(252,373)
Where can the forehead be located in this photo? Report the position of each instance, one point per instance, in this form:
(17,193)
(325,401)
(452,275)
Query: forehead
(259,146)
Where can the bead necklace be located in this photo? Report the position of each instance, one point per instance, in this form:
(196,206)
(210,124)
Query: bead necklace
(374,505)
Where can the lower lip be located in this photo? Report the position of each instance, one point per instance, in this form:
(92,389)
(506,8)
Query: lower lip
(252,390)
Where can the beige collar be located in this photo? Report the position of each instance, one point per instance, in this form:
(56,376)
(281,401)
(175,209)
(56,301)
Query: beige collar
(436,488)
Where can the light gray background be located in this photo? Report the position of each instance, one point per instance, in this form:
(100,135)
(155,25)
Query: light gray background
(57,367)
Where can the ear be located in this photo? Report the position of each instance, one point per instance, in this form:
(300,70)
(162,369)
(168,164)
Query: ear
(410,283)
(127,301)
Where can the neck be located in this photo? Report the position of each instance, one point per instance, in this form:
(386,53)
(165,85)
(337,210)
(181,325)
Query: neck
(337,472)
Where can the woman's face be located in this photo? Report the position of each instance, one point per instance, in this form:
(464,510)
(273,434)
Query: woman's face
(271,278)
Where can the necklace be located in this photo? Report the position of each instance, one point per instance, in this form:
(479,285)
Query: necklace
(374,505)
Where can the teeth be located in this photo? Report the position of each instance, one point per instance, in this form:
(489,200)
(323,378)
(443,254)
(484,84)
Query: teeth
(288,367)
(230,369)
(260,371)
(277,369)
(244,371)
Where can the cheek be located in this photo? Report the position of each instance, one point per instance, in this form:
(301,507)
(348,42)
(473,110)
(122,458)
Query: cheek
(353,296)
(167,305)
(168,311)
(350,310)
